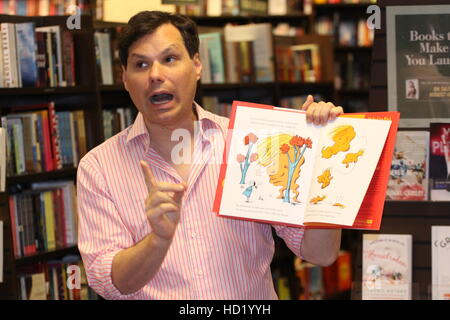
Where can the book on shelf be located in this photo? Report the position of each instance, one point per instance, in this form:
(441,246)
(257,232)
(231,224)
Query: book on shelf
(440,260)
(256,47)
(116,120)
(211,55)
(61,279)
(11,75)
(45,7)
(104,58)
(286,171)
(43,218)
(44,135)
(387,267)
(347,33)
(3,157)
(409,169)
(26,53)
(296,102)
(54,52)
(306,63)
(439,173)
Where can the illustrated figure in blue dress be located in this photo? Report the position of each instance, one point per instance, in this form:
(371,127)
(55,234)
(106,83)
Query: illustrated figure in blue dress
(248,191)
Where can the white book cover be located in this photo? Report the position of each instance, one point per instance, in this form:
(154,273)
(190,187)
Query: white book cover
(409,169)
(387,267)
(440,262)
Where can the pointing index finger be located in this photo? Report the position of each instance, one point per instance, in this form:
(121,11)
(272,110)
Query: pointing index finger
(150,181)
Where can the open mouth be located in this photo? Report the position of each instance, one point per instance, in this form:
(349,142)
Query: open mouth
(161,98)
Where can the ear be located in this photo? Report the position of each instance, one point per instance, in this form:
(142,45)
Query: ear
(197,66)
(124,77)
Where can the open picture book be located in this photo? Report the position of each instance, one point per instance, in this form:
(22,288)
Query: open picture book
(279,169)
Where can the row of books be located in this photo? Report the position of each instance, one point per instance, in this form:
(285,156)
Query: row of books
(63,279)
(343,1)
(387,265)
(44,7)
(2,159)
(116,120)
(39,139)
(109,67)
(43,218)
(346,32)
(245,7)
(212,104)
(296,102)
(298,63)
(36,56)
(420,168)
(351,73)
(312,282)
(237,53)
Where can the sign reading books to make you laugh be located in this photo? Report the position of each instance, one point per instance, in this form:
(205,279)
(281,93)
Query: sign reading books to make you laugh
(418,56)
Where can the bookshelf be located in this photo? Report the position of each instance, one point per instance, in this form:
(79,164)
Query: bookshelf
(403,217)
(83,96)
(94,97)
(352,51)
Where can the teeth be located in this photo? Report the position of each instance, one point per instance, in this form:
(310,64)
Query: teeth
(161,98)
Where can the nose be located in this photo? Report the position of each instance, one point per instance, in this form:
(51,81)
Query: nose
(156,73)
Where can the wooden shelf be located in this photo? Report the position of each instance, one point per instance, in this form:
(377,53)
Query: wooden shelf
(68,173)
(224,86)
(222,20)
(339,48)
(112,88)
(46,256)
(46,91)
(418,209)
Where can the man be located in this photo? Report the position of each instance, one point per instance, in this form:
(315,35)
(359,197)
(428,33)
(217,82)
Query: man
(146,229)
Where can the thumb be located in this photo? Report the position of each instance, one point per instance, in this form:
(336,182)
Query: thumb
(309,100)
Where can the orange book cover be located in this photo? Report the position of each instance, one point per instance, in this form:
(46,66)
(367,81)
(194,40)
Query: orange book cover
(279,169)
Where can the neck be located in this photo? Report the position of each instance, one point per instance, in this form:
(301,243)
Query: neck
(161,134)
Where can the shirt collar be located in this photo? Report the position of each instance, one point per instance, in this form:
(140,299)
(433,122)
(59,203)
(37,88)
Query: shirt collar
(207,120)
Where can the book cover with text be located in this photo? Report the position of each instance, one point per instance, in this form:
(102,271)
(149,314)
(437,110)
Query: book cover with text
(387,267)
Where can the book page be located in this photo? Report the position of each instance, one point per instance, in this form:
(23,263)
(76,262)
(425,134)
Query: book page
(269,165)
(350,150)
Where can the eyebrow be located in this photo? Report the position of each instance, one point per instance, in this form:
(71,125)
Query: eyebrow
(165,51)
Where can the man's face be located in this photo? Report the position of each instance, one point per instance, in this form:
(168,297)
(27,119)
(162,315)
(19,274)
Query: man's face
(161,78)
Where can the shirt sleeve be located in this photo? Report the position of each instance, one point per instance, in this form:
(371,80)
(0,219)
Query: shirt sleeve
(101,233)
(293,237)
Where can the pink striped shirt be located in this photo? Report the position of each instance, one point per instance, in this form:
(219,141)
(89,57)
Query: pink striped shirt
(210,257)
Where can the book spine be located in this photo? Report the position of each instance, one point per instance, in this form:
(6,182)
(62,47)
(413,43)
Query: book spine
(56,148)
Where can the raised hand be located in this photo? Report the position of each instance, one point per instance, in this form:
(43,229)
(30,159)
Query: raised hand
(320,112)
(163,203)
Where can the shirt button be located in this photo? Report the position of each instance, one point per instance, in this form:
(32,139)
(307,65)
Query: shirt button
(199,273)
(194,235)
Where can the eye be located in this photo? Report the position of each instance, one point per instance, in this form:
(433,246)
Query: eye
(170,59)
(141,64)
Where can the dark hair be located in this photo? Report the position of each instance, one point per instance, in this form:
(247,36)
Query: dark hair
(146,22)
